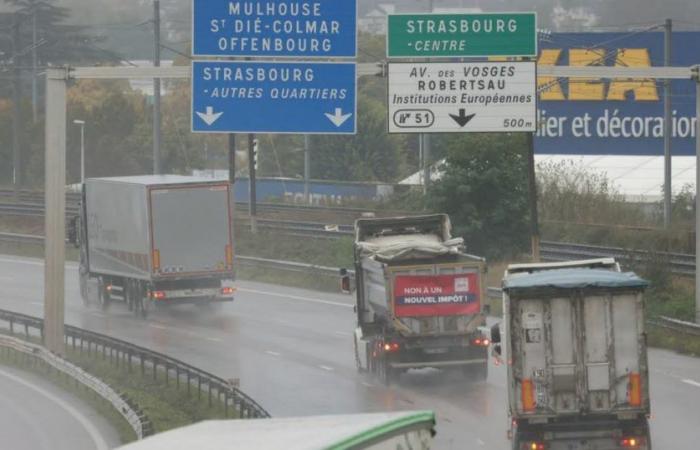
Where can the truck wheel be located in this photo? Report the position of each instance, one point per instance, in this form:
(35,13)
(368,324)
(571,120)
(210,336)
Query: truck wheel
(104,295)
(129,295)
(144,302)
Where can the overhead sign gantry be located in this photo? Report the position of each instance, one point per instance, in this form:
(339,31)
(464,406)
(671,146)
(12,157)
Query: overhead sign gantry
(274,97)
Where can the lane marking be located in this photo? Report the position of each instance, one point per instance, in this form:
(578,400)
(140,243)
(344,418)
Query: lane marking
(99,314)
(342,333)
(160,327)
(211,339)
(691,382)
(295,297)
(480,442)
(91,429)
(326,368)
(370,385)
(270,352)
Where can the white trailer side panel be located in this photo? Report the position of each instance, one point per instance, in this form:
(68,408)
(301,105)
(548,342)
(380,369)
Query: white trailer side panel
(118,229)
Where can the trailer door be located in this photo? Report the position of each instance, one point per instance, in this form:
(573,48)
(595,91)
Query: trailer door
(191,232)
(597,341)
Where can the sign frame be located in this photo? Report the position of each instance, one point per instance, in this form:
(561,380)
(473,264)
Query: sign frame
(427,130)
(267,62)
(432,56)
(198,56)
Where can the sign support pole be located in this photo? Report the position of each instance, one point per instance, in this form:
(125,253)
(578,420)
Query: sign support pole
(157,169)
(307,168)
(252,201)
(696,76)
(55,216)
(667,127)
(534,219)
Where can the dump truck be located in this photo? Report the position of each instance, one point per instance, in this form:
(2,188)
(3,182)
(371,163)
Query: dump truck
(575,343)
(418,298)
(154,240)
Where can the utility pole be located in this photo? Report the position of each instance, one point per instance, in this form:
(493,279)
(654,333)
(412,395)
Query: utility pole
(307,168)
(157,169)
(16,110)
(252,191)
(232,183)
(534,216)
(424,139)
(35,89)
(667,127)
(696,75)
(55,215)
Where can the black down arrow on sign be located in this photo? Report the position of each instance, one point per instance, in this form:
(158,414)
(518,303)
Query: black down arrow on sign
(462,119)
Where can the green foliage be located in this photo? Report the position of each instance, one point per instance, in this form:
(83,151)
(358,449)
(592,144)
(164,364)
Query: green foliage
(371,155)
(484,189)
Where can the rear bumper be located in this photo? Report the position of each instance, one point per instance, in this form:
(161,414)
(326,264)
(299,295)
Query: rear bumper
(437,356)
(436,364)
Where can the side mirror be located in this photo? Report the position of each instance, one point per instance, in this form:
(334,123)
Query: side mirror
(497,351)
(345,286)
(496,334)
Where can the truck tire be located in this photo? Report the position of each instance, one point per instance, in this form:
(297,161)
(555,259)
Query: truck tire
(104,295)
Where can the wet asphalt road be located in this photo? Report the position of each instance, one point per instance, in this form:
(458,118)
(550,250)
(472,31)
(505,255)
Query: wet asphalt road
(37,415)
(292,350)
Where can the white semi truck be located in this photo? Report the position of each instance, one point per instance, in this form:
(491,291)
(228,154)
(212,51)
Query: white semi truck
(576,354)
(155,240)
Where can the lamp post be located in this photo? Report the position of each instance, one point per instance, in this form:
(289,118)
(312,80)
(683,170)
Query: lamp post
(82,149)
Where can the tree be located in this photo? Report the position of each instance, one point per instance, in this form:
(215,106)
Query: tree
(484,189)
(371,155)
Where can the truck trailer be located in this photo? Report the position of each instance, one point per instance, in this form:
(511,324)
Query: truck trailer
(418,298)
(577,359)
(155,240)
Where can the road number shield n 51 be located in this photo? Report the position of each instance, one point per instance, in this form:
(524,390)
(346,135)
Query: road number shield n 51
(462,97)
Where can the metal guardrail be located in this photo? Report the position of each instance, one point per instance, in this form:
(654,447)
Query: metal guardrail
(121,403)
(678,263)
(124,354)
(680,326)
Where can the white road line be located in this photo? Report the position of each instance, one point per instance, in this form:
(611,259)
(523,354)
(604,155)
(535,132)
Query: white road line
(364,383)
(99,314)
(342,333)
(160,327)
(294,297)
(329,369)
(691,382)
(271,353)
(210,339)
(91,429)
(480,442)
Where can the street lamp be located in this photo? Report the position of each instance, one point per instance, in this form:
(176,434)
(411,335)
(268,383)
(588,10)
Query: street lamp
(82,149)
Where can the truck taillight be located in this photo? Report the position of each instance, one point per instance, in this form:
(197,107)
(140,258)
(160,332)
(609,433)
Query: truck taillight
(158,295)
(528,395)
(227,290)
(635,389)
(631,442)
(156,259)
(481,342)
(533,446)
(391,347)
(229,256)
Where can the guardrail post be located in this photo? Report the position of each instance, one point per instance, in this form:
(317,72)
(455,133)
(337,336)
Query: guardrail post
(167,372)
(199,387)
(209,391)
(155,368)
(189,382)
(143,365)
(177,377)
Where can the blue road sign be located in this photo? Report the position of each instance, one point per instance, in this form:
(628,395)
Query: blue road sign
(273,97)
(275,28)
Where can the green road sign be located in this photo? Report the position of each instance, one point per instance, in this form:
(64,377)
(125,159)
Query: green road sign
(462,35)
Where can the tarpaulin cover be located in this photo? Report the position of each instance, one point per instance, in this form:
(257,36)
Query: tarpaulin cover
(574,279)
